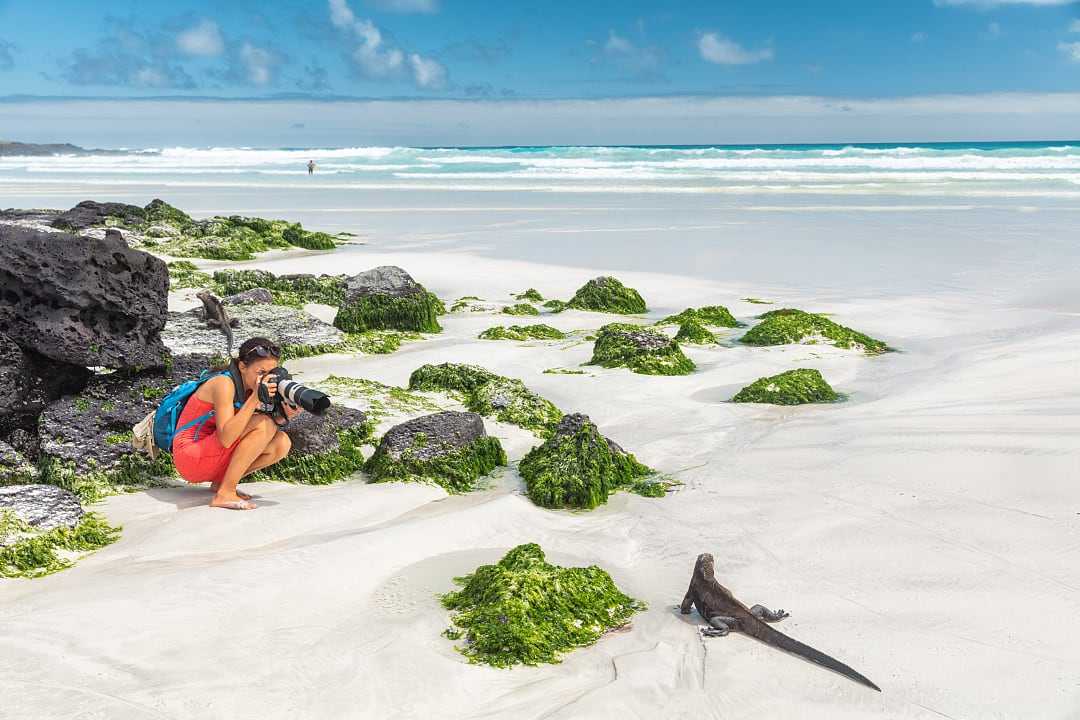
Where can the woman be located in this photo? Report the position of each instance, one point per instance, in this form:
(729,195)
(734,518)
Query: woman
(233,441)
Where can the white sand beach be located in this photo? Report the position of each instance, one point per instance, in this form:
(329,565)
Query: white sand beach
(926,531)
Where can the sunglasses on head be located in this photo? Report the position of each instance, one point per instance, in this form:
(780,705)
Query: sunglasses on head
(263,351)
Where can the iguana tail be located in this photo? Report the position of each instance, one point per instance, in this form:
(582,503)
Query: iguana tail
(225,328)
(770,636)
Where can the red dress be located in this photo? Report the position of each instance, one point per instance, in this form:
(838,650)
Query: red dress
(197,451)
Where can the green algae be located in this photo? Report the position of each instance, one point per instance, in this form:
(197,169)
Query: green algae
(321,468)
(715,315)
(308,239)
(416,312)
(607,294)
(370,342)
(652,354)
(526,611)
(132,473)
(523,332)
(757,301)
(532,295)
(520,309)
(691,331)
(556,306)
(120,438)
(794,387)
(159,212)
(291,291)
(456,471)
(564,371)
(788,325)
(580,469)
(184,274)
(484,392)
(381,400)
(34,554)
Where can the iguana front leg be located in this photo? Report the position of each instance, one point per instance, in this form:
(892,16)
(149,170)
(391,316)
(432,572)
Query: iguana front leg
(687,601)
(763,613)
(213,323)
(720,625)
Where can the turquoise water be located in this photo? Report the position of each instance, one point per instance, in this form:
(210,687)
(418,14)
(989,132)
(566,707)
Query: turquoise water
(976,169)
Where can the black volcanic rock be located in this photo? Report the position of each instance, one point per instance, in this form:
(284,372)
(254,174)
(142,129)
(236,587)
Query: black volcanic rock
(81,300)
(90,213)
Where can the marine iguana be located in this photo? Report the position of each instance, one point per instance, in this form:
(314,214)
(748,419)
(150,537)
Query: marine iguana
(215,316)
(724,613)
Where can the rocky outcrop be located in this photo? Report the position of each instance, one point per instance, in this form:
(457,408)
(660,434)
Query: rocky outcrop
(187,333)
(28,382)
(451,449)
(577,467)
(387,298)
(80,300)
(43,507)
(789,325)
(90,213)
(794,387)
(645,351)
(14,466)
(254,296)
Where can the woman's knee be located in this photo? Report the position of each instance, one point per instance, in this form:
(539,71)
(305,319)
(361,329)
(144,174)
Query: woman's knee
(281,443)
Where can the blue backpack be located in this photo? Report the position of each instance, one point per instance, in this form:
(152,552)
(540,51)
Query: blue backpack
(172,405)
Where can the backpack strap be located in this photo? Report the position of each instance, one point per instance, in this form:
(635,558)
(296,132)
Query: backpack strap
(238,396)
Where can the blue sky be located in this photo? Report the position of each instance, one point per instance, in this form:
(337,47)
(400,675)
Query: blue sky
(471,72)
(460,48)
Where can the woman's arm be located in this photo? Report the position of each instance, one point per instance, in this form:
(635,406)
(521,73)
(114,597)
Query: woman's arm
(230,421)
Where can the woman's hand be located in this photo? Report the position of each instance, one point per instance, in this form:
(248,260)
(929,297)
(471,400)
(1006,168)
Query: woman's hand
(270,383)
(291,410)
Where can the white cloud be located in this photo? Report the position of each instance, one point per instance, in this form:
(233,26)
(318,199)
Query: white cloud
(1071,50)
(203,39)
(258,64)
(638,62)
(408,6)
(427,73)
(918,37)
(718,49)
(377,59)
(996,3)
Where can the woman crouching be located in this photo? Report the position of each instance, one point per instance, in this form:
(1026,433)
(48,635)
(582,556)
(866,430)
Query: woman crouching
(235,440)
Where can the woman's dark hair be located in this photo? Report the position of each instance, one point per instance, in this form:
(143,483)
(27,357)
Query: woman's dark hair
(251,349)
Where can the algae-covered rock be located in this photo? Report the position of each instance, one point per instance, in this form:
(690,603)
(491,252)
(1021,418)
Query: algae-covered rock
(788,325)
(691,331)
(15,468)
(159,212)
(450,449)
(555,306)
(482,391)
(577,467)
(523,332)
(526,611)
(37,521)
(325,448)
(90,213)
(644,351)
(715,315)
(794,387)
(531,295)
(293,290)
(387,298)
(520,309)
(607,294)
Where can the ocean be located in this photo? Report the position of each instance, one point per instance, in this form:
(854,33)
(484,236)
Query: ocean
(958,170)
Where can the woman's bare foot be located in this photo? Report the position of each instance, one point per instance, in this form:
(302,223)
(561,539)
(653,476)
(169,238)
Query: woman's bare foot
(214,487)
(237,503)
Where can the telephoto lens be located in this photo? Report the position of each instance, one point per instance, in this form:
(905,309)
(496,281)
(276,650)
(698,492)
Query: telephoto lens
(288,389)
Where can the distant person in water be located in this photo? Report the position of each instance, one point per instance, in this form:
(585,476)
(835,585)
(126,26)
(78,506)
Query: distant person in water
(310,167)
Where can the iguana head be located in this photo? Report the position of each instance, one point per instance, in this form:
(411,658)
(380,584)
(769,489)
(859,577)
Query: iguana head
(704,566)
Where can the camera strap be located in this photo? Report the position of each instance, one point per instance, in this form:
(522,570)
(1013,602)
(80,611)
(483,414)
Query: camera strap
(239,394)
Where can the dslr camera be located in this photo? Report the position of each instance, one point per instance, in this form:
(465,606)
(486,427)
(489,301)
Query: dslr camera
(288,390)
